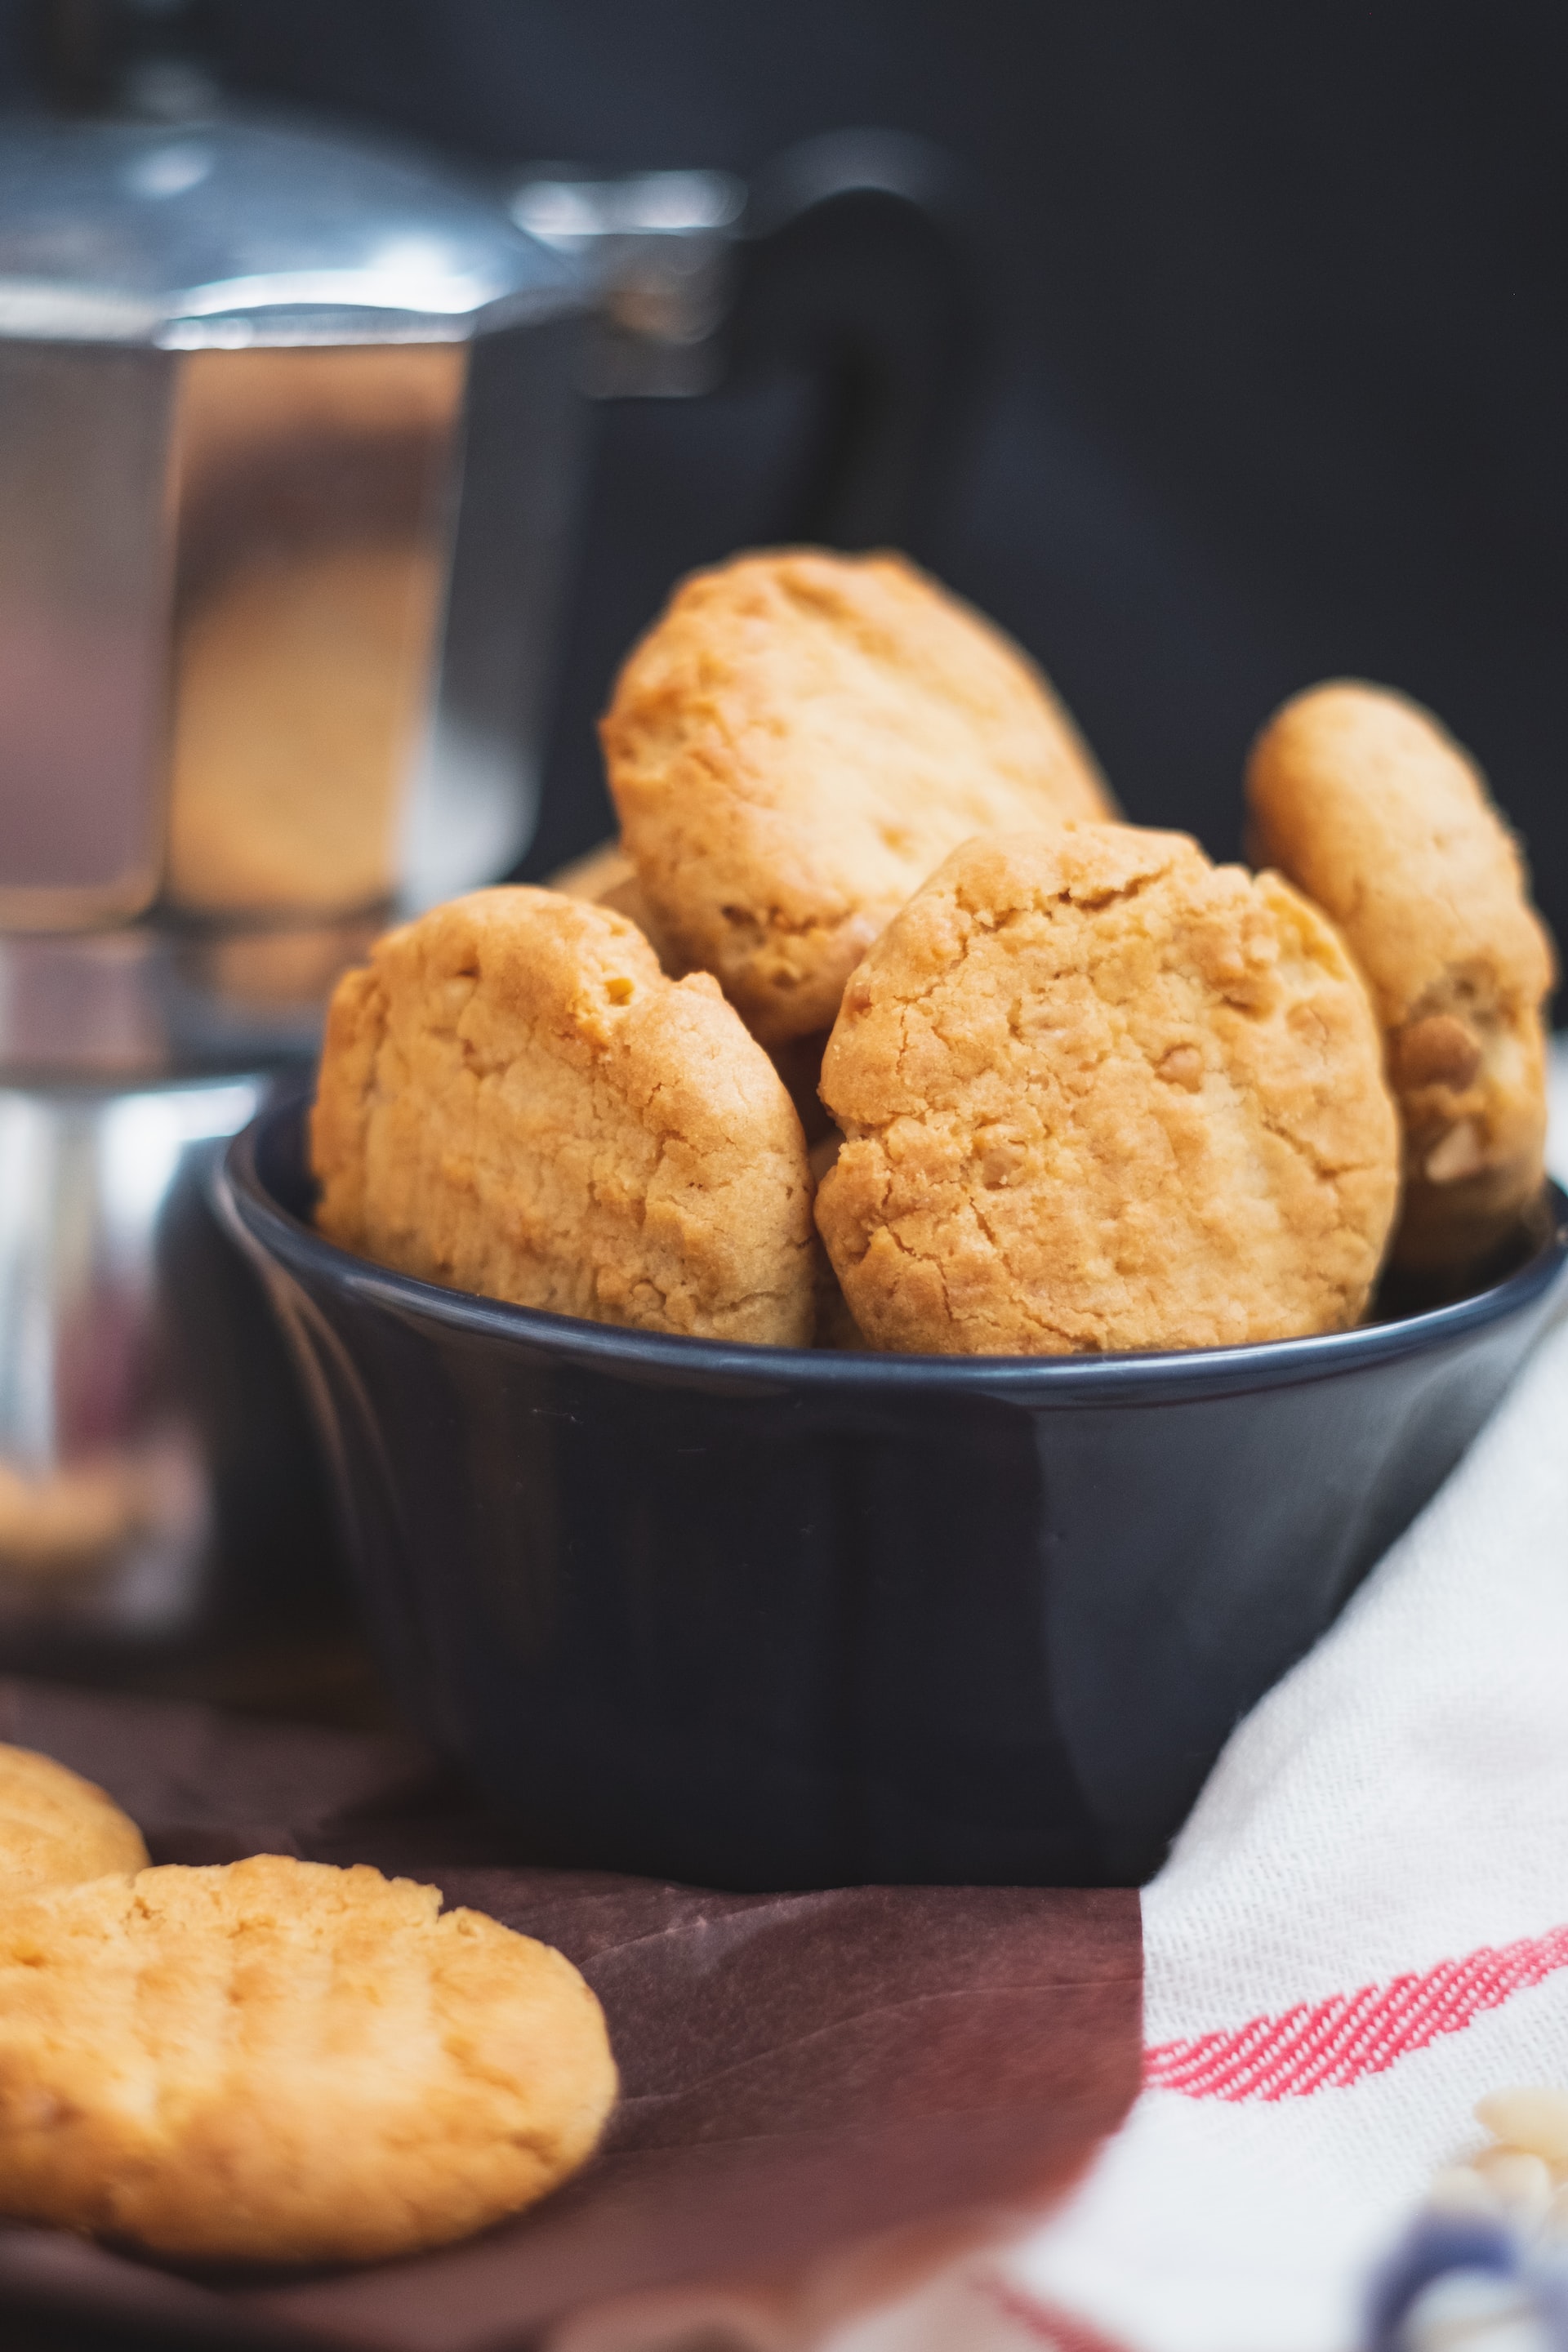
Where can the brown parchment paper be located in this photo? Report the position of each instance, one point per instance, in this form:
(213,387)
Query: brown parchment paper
(825,2094)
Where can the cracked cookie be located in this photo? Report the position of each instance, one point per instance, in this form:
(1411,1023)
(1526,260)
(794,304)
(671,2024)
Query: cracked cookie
(1362,799)
(514,1099)
(605,876)
(1097,1094)
(277,2061)
(797,743)
(56,1828)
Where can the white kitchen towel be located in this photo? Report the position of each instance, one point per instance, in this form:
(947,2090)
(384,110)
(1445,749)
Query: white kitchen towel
(1362,1927)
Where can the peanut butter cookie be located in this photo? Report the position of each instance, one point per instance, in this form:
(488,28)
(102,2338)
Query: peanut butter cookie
(794,747)
(1097,1094)
(605,876)
(56,1828)
(514,1099)
(276,2061)
(1368,805)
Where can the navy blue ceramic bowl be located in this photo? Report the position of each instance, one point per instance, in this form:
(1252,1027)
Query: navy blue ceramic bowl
(754,1617)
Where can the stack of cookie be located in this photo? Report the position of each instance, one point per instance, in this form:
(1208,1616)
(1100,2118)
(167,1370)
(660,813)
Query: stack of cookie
(271,2060)
(1083,1090)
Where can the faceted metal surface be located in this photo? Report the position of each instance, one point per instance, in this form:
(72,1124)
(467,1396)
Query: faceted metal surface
(313,533)
(152,1000)
(288,446)
(105,1512)
(661,250)
(84,630)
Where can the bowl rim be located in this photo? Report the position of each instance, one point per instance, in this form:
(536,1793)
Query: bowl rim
(269,1231)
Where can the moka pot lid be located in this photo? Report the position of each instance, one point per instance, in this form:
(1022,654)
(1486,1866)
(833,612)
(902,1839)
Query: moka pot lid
(231,233)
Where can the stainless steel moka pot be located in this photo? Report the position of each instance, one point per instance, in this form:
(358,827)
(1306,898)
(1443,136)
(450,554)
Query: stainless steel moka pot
(291,435)
(288,434)
(288,437)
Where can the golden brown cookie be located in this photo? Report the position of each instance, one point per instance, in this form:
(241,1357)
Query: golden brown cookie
(1097,1094)
(835,1327)
(1361,797)
(798,742)
(275,2061)
(606,878)
(514,1099)
(57,1827)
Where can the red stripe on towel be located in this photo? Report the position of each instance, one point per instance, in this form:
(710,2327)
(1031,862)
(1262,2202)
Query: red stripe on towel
(1329,2044)
(1042,2323)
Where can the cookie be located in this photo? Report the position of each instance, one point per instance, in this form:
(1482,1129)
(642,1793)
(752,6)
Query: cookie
(799,743)
(513,1100)
(606,878)
(56,1828)
(1363,800)
(1097,1094)
(276,2061)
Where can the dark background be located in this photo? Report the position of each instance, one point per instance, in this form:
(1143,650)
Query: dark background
(1271,386)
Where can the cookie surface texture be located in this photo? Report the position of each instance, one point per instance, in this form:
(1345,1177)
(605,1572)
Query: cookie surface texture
(1098,1095)
(797,744)
(515,1100)
(275,2061)
(1363,800)
(57,1827)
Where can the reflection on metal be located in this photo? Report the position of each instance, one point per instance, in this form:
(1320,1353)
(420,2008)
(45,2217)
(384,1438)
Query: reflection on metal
(154,1000)
(472,808)
(659,250)
(278,575)
(104,1502)
(241,233)
(312,522)
(286,458)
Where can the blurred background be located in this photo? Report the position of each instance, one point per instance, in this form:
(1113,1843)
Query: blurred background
(1213,350)
(1263,382)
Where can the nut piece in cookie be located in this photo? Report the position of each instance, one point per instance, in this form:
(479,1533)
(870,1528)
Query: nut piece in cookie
(1097,1094)
(56,1828)
(514,1099)
(275,2061)
(798,742)
(1362,799)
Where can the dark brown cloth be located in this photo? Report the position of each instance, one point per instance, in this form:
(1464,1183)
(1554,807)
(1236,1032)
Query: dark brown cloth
(822,2094)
